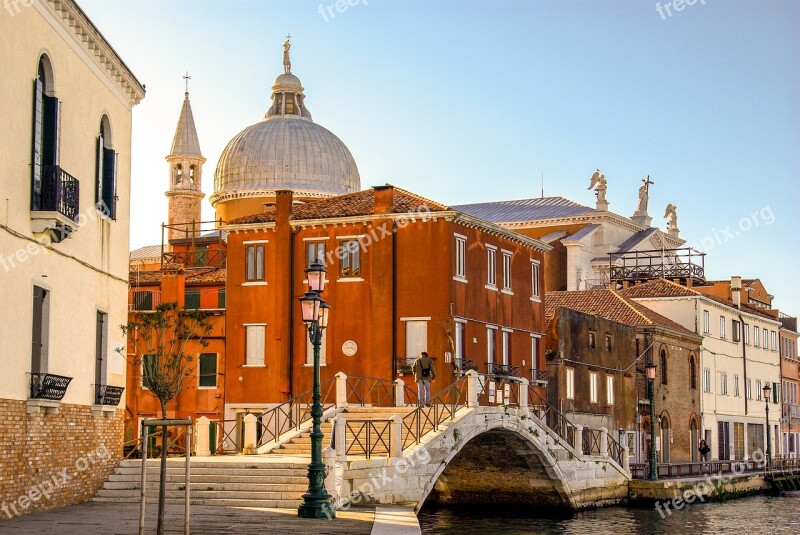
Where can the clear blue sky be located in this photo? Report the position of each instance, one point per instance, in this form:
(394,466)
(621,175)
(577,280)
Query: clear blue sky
(471,101)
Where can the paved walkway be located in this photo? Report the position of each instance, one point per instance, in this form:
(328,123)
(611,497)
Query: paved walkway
(93,518)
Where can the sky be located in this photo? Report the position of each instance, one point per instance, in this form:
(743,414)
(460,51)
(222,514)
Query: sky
(474,101)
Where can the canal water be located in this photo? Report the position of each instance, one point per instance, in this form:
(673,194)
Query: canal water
(756,514)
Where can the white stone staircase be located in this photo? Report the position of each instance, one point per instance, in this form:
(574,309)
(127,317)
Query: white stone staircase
(241,481)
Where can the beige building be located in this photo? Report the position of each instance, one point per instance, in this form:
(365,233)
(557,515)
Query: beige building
(64,223)
(738,357)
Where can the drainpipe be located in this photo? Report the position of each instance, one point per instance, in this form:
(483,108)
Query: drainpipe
(394,300)
(736,297)
(292,236)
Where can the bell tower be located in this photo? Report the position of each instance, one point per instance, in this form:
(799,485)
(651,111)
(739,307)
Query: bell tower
(185,175)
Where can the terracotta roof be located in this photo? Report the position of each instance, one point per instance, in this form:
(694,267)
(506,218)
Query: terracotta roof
(193,277)
(665,288)
(352,204)
(608,304)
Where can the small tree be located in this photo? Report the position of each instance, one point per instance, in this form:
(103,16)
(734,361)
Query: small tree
(159,342)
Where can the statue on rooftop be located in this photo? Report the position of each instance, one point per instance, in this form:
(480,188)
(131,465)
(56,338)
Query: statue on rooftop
(600,185)
(644,195)
(287,63)
(671,214)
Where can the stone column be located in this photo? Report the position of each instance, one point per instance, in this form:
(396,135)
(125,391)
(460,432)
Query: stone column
(202,448)
(522,397)
(626,464)
(339,430)
(604,442)
(399,393)
(578,441)
(329,458)
(250,440)
(473,387)
(341,390)
(396,437)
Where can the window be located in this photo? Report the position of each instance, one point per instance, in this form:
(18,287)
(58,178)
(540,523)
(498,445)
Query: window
(191,299)
(747,333)
(461,256)
(101,347)
(416,338)
(535,291)
(706,322)
(315,251)
(506,347)
(350,259)
(506,270)
(748,389)
(221,298)
(765,339)
(40,330)
(723,384)
(490,345)
(692,372)
(610,389)
(592,336)
(322,350)
(192,169)
(736,386)
(534,352)
(774,341)
(737,333)
(208,370)
(707,380)
(722,326)
(758,390)
(178,174)
(105,193)
(254,343)
(663,366)
(570,383)
(459,341)
(201,255)
(491,266)
(255,262)
(593,383)
(756,332)
(776,393)
(46,130)
(149,370)
(609,342)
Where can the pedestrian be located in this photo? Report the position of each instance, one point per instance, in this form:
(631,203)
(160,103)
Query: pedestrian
(704,451)
(424,374)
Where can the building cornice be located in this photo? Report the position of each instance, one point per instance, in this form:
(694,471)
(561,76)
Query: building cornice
(86,35)
(497,230)
(711,302)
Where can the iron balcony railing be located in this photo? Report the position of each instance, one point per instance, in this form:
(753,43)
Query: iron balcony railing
(146,300)
(539,377)
(464,365)
(502,370)
(107,395)
(60,192)
(49,386)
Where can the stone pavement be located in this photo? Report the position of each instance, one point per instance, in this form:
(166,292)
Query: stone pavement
(94,518)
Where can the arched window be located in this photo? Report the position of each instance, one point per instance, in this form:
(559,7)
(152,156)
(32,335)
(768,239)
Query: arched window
(692,372)
(178,174)
(105,193)
(663,366)
(191,174)
(46,125)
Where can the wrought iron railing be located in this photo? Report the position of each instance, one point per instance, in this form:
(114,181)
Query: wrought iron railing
(49,386)
(551,417)
(197,257)
(60,192)
(368,437)
(107,395)
(667,470)
(442,407)
(539,376)
(502,370)
(615,450)
(591,441)
(464,365)
(371,391)
(176,445)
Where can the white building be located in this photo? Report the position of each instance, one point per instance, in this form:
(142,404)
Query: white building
(64,224)
(738,358)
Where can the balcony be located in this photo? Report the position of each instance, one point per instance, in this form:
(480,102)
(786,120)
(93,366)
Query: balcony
(502,370)
(49,386)
(539,377)
(683,264)
(464,365)
(57,209)
(107,395)
(144,300)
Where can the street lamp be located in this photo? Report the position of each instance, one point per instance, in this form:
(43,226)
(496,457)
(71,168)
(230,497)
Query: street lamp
(767,391)
(650,370)
(315,313)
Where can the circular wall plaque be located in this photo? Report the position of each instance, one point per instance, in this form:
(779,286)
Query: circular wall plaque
(349,348)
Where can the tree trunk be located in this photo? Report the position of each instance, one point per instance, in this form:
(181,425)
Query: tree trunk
(162,484)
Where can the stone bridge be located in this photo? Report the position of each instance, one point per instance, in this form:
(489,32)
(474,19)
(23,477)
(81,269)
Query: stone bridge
(503,455)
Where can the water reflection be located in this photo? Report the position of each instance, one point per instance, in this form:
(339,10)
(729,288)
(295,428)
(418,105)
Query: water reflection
(756,514)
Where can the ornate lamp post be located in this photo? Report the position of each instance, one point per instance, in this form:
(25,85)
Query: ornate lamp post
(650,369)
(767,391)
(315,316)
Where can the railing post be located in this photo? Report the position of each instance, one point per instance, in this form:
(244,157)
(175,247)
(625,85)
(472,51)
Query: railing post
(473,386)
(396,437)
(340,444)
(249,446)
(329,458)
(203,443)
(578,440)
(604,442)
(341,390)
(399,393)
(522,397)
(626,463)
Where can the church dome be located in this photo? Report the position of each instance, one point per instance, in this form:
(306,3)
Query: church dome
(285,151)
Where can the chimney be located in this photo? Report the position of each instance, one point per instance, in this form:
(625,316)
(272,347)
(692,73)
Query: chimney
(283,206)
(736,291)
(384,199)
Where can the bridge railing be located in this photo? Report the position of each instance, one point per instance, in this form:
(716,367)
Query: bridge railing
(551,417)
(442,407)
(591,443)
(368,437)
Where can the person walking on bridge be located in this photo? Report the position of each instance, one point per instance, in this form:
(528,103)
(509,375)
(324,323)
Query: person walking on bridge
(423,375)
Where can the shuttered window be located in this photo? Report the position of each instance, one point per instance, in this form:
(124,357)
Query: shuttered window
(255,345)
